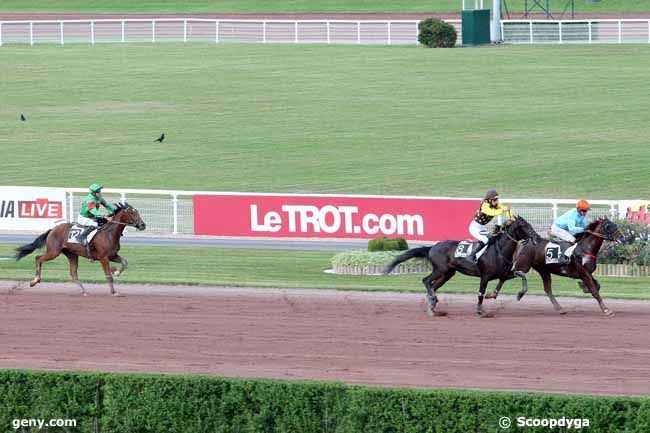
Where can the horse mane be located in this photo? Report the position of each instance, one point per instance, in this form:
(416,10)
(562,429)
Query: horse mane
(119,207)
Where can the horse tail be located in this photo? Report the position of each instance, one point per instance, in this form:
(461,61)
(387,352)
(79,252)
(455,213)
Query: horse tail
(29,248)
(413,252)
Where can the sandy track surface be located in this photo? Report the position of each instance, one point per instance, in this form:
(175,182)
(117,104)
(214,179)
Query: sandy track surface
(356,337)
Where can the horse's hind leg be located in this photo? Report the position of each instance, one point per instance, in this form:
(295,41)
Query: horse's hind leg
(50,254)
(123,265)
(74,266)
(481,295)
(433,283)
(546,279)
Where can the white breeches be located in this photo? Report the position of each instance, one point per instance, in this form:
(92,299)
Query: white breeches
(562,234)
(478,231)
(86,221)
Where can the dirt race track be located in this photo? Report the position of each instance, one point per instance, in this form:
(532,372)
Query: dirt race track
(371,338)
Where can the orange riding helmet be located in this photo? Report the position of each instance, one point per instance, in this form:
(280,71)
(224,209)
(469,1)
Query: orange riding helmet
(583,205)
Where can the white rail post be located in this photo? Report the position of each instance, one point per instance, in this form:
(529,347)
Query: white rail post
(417,31)
(71,205)
(61,32)
(502,28)
(175,202)
(184,30)
(1,33)
(153,31)
(122,197)
(531,31)
(389,35)
(92,32)
(554,211)
(612,211)
(31,33)
(264,31)
(560,29)
(329,39)
(295,30)
(620,36)
(648,33)
(216,32)
(590,40)
(358,32)
(123,25)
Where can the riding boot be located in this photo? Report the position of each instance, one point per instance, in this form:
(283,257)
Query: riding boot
(472,257)
(84,241)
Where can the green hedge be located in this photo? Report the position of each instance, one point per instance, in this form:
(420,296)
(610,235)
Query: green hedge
(133,403)
(387,244)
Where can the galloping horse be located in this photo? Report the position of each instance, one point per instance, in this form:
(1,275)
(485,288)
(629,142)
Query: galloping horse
(495,263)
(104,247)
(581,266)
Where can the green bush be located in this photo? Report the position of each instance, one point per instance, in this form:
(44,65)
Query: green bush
(387,244)
(636,249)
(435,33)
(138,403)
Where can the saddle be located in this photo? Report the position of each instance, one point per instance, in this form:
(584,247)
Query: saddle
(75,236)
(555,249)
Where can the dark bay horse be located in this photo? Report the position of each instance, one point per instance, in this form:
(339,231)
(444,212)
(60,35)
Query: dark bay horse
(581,266)
(495,263)
(104,246)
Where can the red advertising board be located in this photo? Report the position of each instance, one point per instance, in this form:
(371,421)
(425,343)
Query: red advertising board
(296,216)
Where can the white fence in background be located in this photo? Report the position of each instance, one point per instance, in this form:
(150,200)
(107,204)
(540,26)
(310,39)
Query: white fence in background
(206,30)
(172,212)
(395,32)
(606,31)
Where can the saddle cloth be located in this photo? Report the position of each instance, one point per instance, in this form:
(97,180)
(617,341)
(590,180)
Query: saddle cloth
(465,248)
(75,232)
(555,248)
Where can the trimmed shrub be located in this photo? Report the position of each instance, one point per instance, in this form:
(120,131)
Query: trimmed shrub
(139,403)
(636,249)
(387,244)
(435,33)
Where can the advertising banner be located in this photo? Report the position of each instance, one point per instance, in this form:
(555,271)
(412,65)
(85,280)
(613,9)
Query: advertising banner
(28,208)
(310,216)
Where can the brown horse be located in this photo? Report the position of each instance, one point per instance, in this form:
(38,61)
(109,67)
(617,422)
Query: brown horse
(581,266)
(104,246)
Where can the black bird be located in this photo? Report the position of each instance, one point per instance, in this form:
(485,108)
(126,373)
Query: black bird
(161,138)
(22,117)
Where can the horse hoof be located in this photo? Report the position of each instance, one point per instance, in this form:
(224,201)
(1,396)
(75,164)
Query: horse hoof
(429,312)
(561,312)
(609,313)
(117,295)
(491,296)
(520,295)
(116,273)
(34,282)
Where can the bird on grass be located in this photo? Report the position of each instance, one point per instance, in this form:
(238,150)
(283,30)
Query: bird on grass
(22,117)
(161,138)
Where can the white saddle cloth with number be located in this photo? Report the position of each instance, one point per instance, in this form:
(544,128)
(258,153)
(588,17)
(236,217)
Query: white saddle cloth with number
(76,230)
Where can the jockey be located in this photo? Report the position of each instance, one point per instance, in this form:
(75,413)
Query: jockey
(490,207)
(569,224)
(90,215)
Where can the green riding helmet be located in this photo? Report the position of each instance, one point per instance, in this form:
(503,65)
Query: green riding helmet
(95,187)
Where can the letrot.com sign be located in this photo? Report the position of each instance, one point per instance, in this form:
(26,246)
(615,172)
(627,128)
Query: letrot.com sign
(332,216)
(25,208)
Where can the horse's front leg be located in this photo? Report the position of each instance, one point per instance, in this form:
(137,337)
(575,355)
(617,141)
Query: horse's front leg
(481,295)
(123,265)
(589,282)
(109,277)
(497,289)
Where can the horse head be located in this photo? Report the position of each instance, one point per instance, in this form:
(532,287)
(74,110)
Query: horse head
(606,229)
(128,215)
(520,229)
